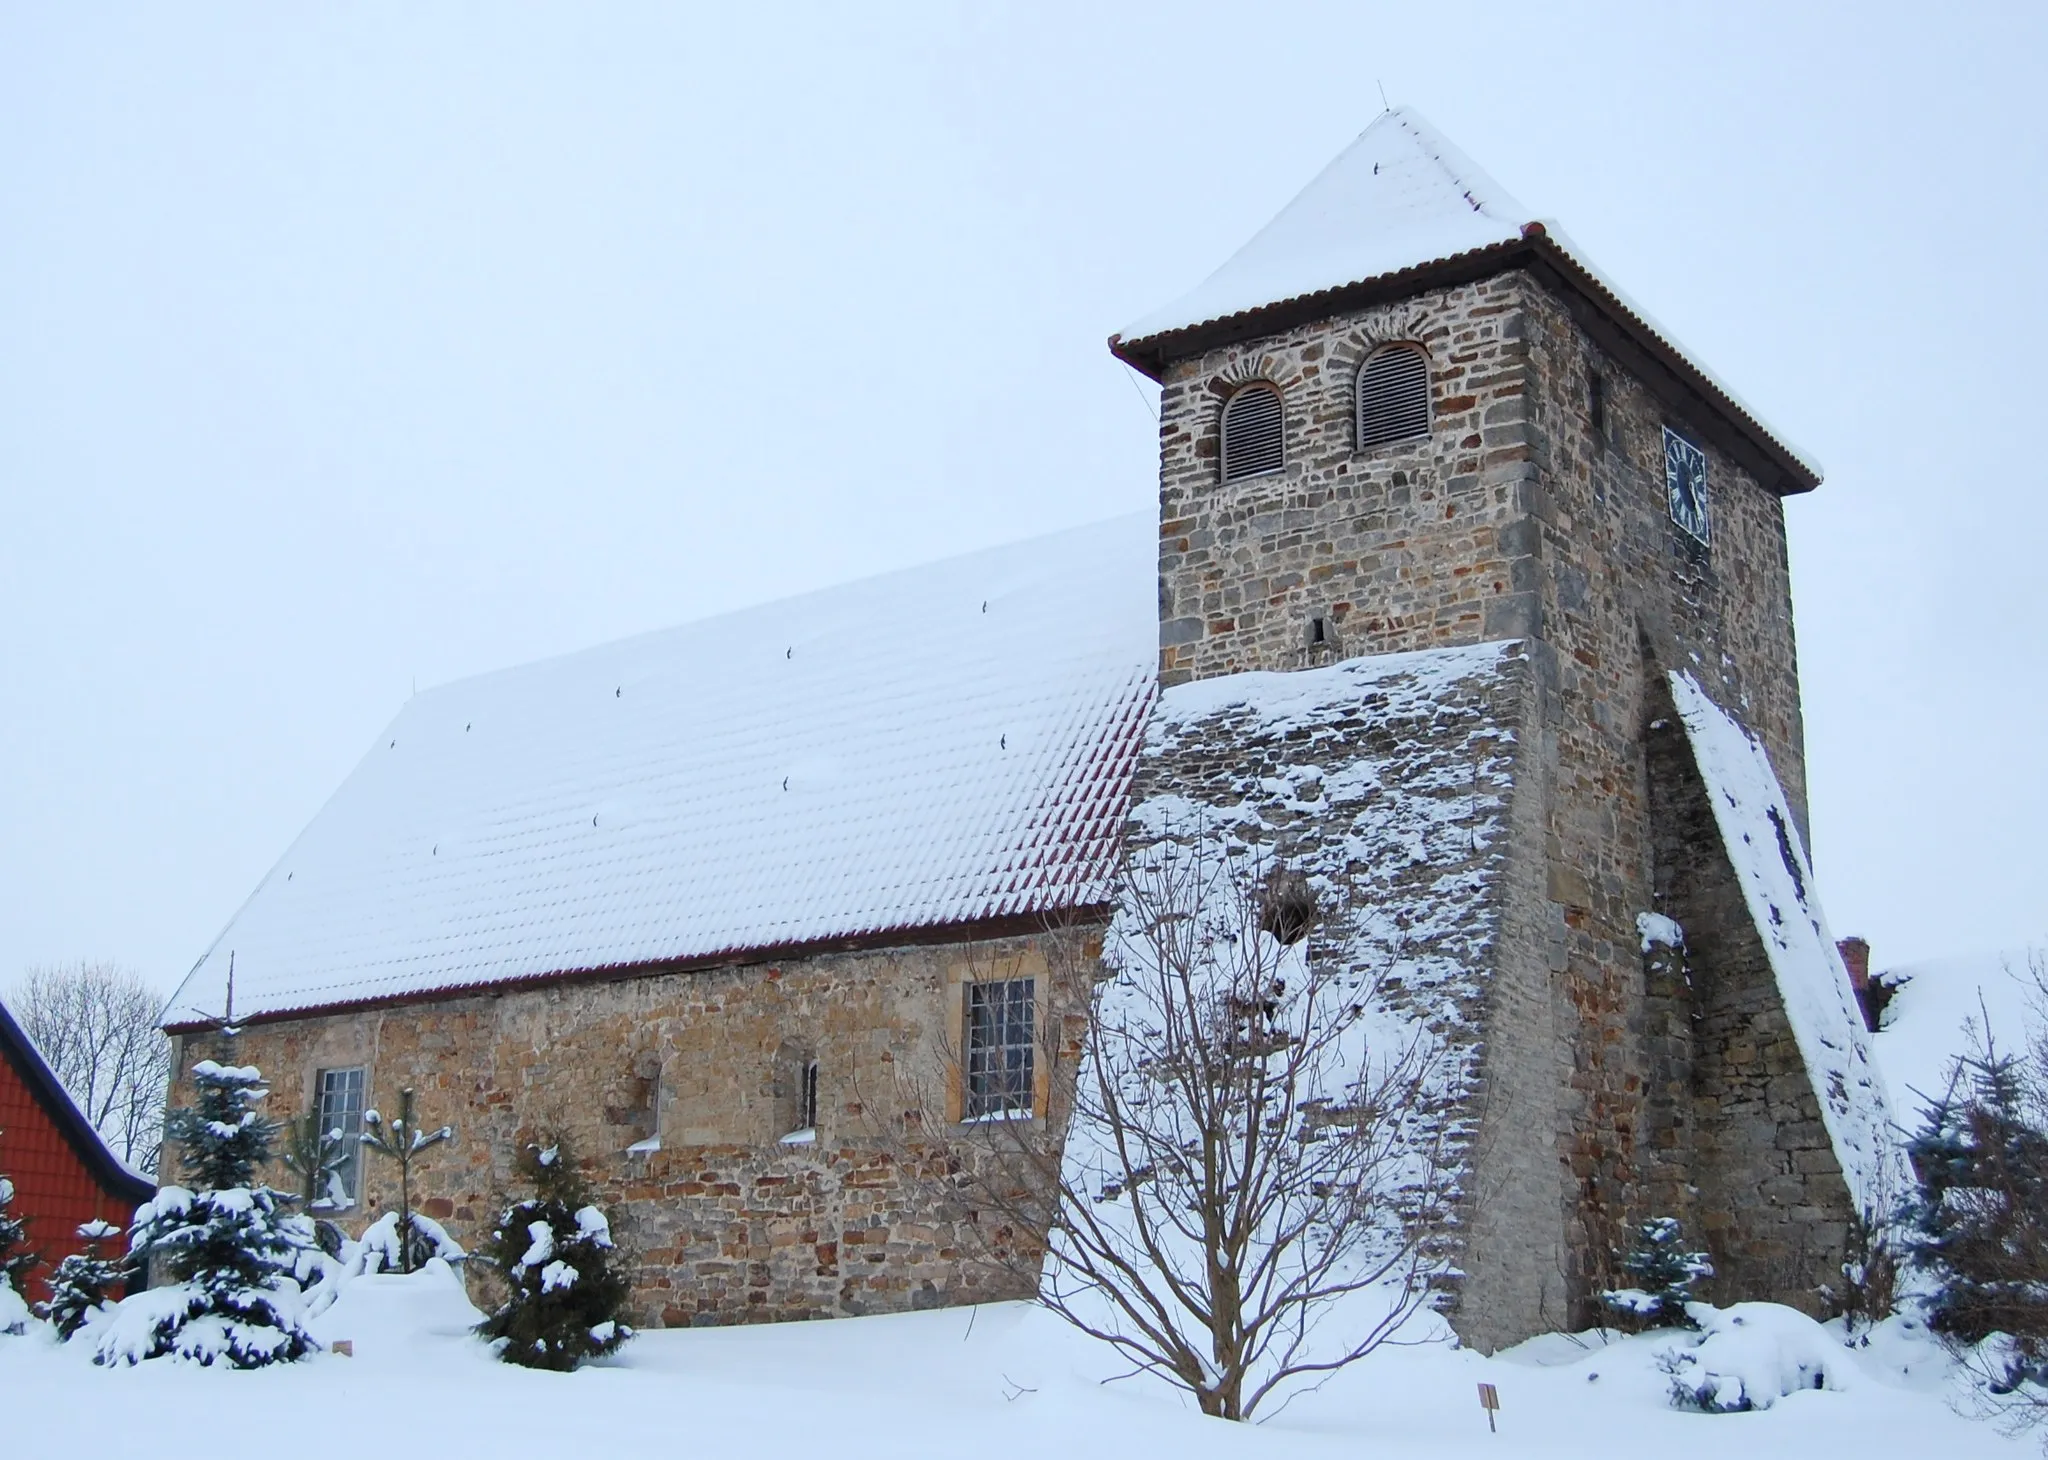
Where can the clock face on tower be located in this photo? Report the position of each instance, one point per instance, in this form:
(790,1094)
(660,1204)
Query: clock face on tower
(1685,483)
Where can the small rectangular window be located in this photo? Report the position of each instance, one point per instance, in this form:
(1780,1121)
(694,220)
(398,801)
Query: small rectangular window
(339,1094)
(1001,1028)
(1596,405)
(807,1101)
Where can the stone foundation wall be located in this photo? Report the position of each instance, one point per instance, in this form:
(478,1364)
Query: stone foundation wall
(724,1222)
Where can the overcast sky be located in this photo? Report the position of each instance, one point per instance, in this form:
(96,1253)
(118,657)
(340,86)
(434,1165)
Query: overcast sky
(345,350)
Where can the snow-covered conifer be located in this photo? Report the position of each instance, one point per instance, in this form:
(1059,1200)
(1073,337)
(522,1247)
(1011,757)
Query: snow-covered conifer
(227,1245)
(15,1261)
(555,1252)
(1663,1273)
(403,1142)
(1978,1223)
(15,1257)
(84,1282)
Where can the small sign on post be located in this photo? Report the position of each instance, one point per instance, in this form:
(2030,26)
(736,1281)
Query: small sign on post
(1489,1400)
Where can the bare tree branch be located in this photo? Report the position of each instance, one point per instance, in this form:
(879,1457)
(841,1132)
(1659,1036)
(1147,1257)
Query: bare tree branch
(1252,1174)
(96,1026)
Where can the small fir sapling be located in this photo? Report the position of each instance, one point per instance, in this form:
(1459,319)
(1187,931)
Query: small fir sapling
(555,1252)
(402,1141)
(228,1246)
(317,1158)
(85,1282)
(1664,1274)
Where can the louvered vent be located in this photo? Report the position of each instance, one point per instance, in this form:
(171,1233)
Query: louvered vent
(1393,396)
(1254,433)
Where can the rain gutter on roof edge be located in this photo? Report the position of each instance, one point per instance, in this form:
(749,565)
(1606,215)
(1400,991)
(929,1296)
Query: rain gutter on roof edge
(1016,925)
(49,1092)
(1606,319)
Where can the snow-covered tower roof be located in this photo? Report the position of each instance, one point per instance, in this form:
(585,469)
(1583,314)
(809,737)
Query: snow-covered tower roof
(944,747)
(1402,210)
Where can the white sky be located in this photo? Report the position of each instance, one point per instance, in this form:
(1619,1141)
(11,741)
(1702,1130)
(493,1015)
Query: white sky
(344,349)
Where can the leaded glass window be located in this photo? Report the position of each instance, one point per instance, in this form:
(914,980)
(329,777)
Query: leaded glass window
(1001,1024)
(340,1096)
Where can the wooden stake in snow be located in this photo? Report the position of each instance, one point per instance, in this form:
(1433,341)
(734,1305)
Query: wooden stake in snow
(1489,1400)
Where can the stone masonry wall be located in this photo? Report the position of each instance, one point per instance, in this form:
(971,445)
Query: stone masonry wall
(1405,546)
(724,1223)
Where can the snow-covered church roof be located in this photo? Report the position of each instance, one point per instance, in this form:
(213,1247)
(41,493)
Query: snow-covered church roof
(1399,210)
(947,745)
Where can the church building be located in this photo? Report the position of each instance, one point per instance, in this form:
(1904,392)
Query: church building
(1467,598)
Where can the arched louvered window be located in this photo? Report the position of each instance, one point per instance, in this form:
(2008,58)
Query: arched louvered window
(1254,433)
(1393,396)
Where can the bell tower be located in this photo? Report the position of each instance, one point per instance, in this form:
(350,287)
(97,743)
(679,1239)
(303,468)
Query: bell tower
(1408,415)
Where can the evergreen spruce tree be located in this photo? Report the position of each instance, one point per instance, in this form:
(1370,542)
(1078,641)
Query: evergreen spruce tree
(555,1252)
(15,1262)
(1978,1221)
(84,1282)
(1663,1273)
(15,1257)
(403,1142)
(227,1246)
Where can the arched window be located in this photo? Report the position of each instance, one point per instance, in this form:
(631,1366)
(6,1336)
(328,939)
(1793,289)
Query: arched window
(1393,396)
(1254,432)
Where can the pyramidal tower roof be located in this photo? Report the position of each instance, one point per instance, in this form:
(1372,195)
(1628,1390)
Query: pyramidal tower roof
(1400,210)
(1398,197)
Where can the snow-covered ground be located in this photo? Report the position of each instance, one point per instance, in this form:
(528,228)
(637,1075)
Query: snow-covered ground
(1006,1378)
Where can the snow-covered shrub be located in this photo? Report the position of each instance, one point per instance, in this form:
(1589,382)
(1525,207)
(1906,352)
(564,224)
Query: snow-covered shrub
(14,1314)
(403,1143)
(15,1261)
(1750,1356)
(84,1282)
(379,1249)
(1663,1273)
(556,1255)
(228,1245)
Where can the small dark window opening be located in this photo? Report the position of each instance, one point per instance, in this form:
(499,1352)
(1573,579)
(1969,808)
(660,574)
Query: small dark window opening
(1393,396)
(1596,405)
(1254,433)
(807,1098)
(1318,632)
(1001,1024)
(1287,906)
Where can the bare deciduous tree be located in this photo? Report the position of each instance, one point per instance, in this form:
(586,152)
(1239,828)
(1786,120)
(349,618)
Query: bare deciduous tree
(96,1025)
(1253,1172)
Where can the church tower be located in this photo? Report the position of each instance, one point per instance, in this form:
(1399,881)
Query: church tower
(1410,416)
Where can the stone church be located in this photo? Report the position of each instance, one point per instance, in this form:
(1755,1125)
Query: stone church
(1467,592)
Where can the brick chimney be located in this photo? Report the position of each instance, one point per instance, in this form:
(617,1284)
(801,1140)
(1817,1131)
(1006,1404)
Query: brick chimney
(1856,955)
(1871,998)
